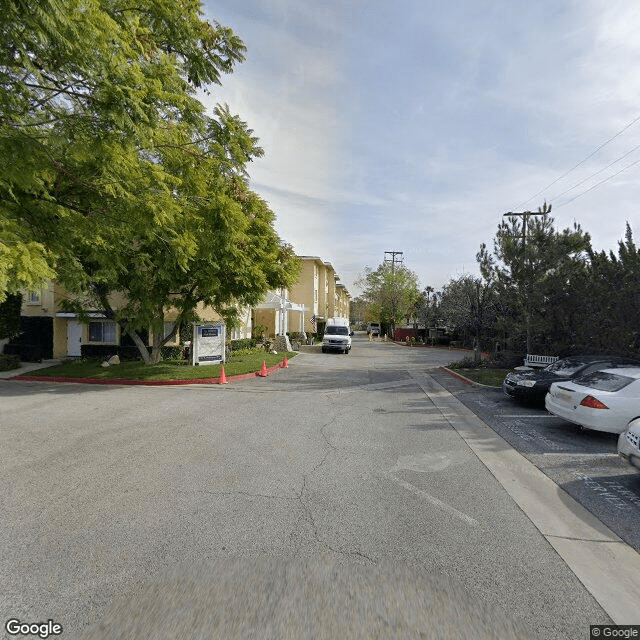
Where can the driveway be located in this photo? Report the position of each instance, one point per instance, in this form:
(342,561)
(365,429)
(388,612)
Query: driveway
(346,496)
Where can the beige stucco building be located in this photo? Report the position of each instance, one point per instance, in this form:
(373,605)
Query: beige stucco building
(319,291)
(316,296)
(68,332)
(278,314)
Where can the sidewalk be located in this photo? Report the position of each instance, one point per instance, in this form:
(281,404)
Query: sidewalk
(607,566)
(27,367)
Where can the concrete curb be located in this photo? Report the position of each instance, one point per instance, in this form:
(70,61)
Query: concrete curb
(607,567)
(460,377)
(148,383)
(430,346)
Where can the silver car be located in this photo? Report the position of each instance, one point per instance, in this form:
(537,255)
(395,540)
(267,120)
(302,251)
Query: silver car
(629,443)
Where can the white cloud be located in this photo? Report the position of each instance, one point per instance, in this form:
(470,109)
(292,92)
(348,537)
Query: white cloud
(414,127)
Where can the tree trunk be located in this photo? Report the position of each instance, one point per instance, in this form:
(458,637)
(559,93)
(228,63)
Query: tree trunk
(142,348)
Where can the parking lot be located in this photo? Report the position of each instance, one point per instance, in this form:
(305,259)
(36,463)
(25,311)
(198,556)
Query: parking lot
(582,462)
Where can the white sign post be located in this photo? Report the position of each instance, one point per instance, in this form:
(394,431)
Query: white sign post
(208,346)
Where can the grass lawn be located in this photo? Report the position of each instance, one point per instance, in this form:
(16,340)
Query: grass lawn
(165,370)
(491,377)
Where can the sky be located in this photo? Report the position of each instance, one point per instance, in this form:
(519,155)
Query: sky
(415,125)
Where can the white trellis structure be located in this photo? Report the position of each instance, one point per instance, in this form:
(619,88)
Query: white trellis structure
(282,306)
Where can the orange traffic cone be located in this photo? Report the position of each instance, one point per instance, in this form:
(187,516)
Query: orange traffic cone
(285,364)
(223,377)
(263,371)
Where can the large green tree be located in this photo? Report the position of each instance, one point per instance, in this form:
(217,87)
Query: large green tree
(391,292)
(467,306)
(609,294)
(531,270)
(124,183)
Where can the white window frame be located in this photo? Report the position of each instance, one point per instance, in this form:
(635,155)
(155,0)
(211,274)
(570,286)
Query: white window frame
(34,297)
(104,323)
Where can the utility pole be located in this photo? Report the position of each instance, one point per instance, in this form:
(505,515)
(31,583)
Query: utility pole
(397,258)
(393,260)
(543,211)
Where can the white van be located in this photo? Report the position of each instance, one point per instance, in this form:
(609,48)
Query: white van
(337,335)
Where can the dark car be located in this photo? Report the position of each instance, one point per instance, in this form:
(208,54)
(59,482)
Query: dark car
(533,385)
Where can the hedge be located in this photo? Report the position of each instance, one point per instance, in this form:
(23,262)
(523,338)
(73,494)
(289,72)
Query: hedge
(8,362)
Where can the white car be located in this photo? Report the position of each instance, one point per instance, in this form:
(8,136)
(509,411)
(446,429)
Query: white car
(606,400)
(629,444)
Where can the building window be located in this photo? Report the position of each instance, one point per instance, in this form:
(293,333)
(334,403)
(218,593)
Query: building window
(168,328)
(34,297)
(102,331)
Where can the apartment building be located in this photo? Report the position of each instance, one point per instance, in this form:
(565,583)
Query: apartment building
(316,296)
(319,291)
(59,333)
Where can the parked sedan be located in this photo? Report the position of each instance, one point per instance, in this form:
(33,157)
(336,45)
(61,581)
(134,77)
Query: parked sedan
(533,385)
(605,400)
(629,444)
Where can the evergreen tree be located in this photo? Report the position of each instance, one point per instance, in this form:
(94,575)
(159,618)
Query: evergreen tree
(610,294)
(532,272)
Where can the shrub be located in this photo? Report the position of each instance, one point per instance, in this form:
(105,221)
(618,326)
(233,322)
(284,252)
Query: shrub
(35,337)
(10,316)
(25,352)
(243,343)
(8,362)
(470,363)
(508,359)
(258,331)
(172,352)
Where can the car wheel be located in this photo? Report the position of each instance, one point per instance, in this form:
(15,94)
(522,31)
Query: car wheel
(324,350)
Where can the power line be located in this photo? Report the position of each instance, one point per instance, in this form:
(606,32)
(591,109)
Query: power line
(593,153)
(593,175)
(599,183)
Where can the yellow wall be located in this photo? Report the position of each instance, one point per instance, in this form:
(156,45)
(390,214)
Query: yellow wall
(303,292)
(331,310)
(342,301)
(59,337)
(45,306)
(266,318)
(331,301)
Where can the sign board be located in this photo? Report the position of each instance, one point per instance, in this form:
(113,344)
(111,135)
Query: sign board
(208,343)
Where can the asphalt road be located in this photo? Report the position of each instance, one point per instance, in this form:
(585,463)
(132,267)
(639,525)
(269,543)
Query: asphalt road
(333,499)
(583,462)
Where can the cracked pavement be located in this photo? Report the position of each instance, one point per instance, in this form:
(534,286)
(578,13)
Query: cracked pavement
(329,480)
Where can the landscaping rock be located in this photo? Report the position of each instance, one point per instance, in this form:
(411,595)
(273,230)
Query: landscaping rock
(281,343)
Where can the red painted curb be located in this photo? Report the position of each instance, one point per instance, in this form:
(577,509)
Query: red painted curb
(457,376)
(148,383)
